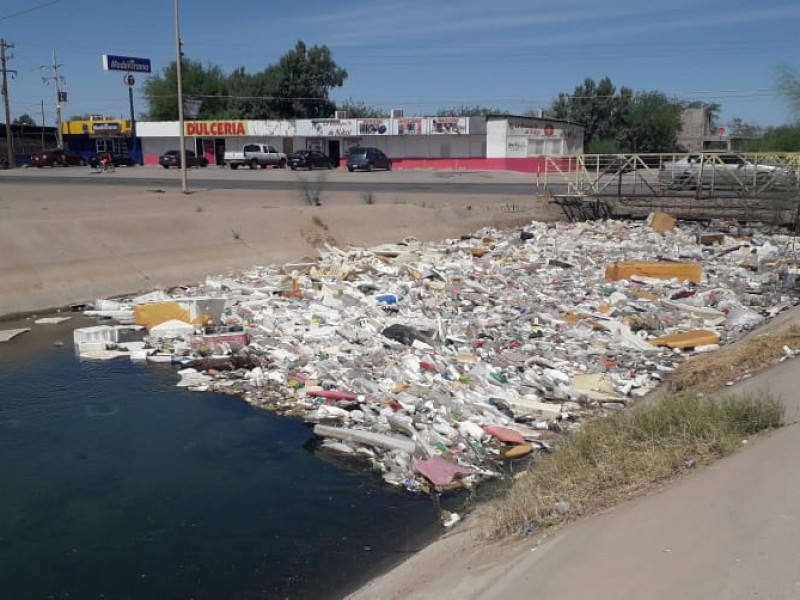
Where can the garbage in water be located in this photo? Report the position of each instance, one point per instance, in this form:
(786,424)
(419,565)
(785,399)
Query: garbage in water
(436,363)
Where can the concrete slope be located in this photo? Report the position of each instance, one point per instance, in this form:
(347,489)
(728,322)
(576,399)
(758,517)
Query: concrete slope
(731,531)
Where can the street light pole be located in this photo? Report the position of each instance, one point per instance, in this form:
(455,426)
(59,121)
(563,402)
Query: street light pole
(179,60)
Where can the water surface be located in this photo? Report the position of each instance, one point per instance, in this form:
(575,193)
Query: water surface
(117,484)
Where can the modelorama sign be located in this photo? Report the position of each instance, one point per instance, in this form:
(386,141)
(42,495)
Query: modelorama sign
(126,63)
(215,128)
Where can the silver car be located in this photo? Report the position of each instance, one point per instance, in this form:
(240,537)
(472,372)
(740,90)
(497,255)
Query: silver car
(724,171)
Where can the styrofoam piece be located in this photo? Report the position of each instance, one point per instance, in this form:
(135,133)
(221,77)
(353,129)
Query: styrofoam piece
(368,438)
(51,320)
(172,329)
(7,335)
(106,334)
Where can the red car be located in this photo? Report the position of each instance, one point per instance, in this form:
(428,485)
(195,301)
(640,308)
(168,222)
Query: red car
(56,158)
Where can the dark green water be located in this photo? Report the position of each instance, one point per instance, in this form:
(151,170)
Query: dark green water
(118,485)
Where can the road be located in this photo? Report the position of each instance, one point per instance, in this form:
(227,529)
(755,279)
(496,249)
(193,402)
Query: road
(492,183)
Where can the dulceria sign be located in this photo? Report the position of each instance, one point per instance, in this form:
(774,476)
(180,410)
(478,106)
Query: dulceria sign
(215,128)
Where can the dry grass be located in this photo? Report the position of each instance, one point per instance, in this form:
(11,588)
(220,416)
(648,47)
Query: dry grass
(626,455)
(712,371)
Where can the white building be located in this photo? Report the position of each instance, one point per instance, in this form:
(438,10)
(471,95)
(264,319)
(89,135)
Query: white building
(482,142)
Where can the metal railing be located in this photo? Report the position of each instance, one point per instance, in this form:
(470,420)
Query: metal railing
(708,185)
(699,175)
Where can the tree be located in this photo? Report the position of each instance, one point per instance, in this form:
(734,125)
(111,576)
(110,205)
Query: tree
(789,87)
(785,138)
(598,107)
(24,119)
(304,78)
(651,124)
(298,86)
(205,84)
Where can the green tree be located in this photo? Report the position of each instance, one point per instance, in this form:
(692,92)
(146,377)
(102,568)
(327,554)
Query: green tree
(206,84)
(651,124)
(249,95)
(298,86)
(24,119)
(598,107)
(785,138)
(304,78)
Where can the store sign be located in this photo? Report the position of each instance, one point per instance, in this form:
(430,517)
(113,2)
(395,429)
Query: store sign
(215,128)
(126,63)
(448,125)
(105,127)
(326,127)
(409,126)
(373,126)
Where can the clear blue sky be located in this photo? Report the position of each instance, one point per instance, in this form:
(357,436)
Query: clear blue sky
(421,55)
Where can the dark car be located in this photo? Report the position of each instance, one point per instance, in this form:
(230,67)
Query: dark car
(117,160)
(56,158)
(171,158)
(309,159)
(367,159)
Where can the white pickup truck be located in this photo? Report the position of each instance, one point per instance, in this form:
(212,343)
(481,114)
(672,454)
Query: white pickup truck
(254,156)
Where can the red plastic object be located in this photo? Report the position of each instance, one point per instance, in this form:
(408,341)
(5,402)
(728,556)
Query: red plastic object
(504,434)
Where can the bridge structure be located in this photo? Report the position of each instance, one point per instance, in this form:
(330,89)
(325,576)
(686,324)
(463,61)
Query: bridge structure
(737,186)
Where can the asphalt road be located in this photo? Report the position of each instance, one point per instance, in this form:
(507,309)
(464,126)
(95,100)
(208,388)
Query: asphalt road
(496,183)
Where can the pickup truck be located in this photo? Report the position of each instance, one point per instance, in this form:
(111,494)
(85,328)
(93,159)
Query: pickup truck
(254,156)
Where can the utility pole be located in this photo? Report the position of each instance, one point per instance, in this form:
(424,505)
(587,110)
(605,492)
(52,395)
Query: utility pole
(4,45)
(181,135)
(42,125)
(61,96)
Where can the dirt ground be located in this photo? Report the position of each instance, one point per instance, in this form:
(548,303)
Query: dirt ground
(68,244)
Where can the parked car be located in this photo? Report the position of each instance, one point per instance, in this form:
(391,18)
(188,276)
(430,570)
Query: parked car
(309,159)
(724,171)
(117,160)
(172,158)
(255,156)
(56,158)
(368,159)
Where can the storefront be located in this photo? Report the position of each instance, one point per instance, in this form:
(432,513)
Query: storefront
(515,143)
(100,134)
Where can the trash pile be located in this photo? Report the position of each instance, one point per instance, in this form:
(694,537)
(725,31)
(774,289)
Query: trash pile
(437,363)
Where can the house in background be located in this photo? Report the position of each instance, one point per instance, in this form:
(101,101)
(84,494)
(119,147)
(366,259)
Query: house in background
(699,133)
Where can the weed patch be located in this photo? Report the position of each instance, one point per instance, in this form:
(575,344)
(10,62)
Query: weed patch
(626,455)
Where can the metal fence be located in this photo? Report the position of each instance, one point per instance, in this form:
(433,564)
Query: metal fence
(735,185)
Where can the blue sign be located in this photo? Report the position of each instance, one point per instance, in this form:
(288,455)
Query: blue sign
(126,63)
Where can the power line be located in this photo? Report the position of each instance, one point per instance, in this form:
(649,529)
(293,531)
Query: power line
(27,10)
(60,95)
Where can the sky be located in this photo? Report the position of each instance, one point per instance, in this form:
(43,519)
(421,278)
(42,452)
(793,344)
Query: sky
(417,55)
